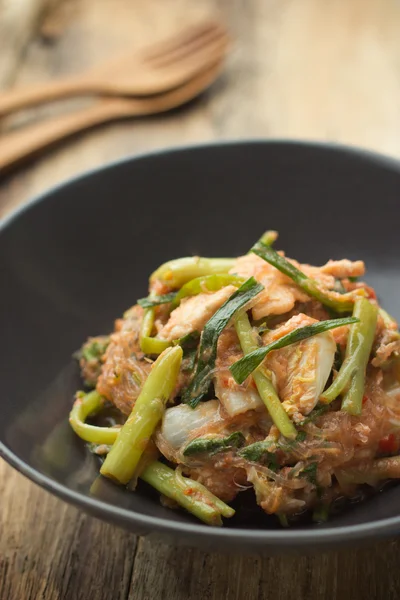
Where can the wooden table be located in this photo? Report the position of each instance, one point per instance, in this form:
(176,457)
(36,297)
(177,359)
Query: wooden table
(300,68)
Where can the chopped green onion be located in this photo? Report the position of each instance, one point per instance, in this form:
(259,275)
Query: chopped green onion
(242,368)
(339,302)
(283,520)
(94,348)
(152,300)
(321,513)
(301,436)
(257,451)
(314,414)
(209,340)
(264,385)
(261,451)
(269,237)
(211,445)
(310,472)
(190,345)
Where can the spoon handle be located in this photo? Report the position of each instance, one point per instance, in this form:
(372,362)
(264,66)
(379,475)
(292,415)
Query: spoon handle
(19,145)
(20,98)
(15,147)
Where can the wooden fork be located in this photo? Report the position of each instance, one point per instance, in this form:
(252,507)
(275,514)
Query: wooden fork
(16,147)
(162,67)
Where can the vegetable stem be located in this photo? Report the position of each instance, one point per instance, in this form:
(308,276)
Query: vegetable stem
(346,371)
(264,385)
(209,340)
(176,273)
(153,300)
(359,345)
(192,496)
(148,344)
(132,440)
(84,406)
(269,237)
(337,302)
(210,283)
(242,368)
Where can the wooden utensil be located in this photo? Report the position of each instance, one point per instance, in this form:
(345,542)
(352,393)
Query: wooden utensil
(15,147)
(161,67)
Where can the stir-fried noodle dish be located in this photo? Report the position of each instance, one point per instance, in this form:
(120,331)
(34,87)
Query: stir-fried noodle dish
(255,372)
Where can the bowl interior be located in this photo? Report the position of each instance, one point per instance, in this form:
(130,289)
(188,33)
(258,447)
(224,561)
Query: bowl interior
(74,261)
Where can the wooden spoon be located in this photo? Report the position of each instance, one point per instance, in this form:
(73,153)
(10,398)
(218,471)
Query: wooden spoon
(15,147)
(162,67)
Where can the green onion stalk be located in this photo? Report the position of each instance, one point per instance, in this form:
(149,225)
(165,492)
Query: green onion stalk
(264,385)
(337,302)
(242,368)
(201,380)
(269,237)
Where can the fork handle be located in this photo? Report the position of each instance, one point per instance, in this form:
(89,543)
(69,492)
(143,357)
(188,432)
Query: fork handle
(15,147)
(17,99)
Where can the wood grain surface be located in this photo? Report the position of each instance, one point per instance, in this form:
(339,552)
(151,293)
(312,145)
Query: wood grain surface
(300,68)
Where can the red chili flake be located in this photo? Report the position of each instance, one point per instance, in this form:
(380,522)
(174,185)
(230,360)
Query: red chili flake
(365,398)
(388,444)
(188,492)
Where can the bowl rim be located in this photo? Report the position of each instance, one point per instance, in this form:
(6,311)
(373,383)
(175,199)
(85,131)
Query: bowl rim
(255,538)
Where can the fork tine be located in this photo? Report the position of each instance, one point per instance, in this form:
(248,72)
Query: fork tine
(196,47)
(202,55)
(191,38)
(196,52)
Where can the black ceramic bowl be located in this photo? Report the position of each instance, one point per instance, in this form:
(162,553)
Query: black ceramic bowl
(74,259)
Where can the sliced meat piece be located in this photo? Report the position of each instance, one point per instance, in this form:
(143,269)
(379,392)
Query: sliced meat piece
(193,313)
(341,269)
(280,293)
